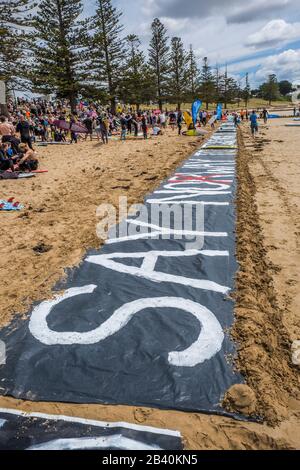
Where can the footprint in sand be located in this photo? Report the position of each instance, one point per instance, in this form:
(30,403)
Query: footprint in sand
(141,415)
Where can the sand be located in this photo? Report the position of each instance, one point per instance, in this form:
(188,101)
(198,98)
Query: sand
(60,208)
(60,212)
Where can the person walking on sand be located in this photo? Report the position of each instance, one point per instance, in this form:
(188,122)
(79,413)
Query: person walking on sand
(253,123)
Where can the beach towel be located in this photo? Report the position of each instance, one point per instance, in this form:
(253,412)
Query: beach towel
(10,205)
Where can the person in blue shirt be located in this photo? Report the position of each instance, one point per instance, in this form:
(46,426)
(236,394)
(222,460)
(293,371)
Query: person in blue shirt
(253,123)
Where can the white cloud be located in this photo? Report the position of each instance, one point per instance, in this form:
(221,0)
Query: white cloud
(285,65)
(273,33)
(174,25)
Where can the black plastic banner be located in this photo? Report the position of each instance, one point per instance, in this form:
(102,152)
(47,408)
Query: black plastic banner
(146,320)
(35,431)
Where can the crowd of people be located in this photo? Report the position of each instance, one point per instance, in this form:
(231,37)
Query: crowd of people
(40,121)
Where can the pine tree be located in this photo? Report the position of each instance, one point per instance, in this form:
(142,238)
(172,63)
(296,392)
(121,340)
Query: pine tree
(108,49)
(192,75)
(178,70)
(218,84)
(229,89)
(159,58)
(270,89)
(14,16)
(58,45)
(207,87)
(247,91)
(136,85)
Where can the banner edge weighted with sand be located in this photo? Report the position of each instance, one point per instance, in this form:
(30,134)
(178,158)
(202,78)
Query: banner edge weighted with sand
(145,321)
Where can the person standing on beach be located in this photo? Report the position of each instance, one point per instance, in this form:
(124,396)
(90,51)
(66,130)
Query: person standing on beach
(179,122)
(265,115)
(23,127)
(74,137)
(135,125)
(88,122)
(162,118)
(144,127)
(253,123)
(123,128)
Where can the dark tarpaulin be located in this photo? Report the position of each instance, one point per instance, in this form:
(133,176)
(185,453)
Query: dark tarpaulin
(141,354)
(20,431)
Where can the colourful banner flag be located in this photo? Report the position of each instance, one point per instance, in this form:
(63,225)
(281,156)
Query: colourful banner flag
(188,119)
(219,111)
(195,110)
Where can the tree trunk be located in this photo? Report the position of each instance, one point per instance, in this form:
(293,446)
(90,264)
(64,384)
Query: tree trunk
(207,106)
(113,105)
(179,106)
(160,104)
(73,102)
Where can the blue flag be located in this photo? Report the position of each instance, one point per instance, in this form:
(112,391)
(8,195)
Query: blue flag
(219,111)
(195,110)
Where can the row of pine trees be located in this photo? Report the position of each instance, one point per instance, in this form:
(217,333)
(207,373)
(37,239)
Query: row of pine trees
(48,46)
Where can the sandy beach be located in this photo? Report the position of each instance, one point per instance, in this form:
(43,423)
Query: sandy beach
(59,219)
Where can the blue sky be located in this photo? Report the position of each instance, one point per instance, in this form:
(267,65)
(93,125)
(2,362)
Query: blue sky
(255,36)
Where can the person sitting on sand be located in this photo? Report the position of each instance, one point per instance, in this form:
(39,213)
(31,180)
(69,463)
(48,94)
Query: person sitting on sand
(157,130)
(28,160)
(6,162)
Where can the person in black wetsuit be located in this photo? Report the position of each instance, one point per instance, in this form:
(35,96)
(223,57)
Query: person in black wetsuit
(23,127)
(6,163)
(179,122)
(88,122)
